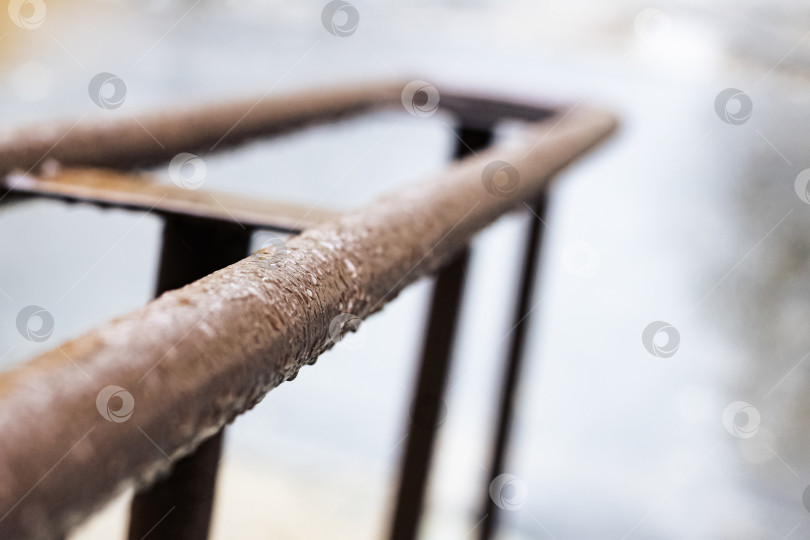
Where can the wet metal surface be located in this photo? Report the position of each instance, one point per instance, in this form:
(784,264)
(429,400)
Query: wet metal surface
(141,192)
(219,345)
(611,441)
(160,136)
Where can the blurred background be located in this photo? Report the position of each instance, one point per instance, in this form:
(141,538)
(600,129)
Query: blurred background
(696,213)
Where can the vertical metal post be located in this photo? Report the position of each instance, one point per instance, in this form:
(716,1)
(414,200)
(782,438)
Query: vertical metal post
(179,506)
(512,370)
(434,368)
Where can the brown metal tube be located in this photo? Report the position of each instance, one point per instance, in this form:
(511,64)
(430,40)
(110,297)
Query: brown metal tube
(150,139)
(197,357)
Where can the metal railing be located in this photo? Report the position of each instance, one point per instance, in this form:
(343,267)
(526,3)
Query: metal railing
(226,329)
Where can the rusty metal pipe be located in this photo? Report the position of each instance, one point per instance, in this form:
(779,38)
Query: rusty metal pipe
(145,140)
(139,141)
(195,358)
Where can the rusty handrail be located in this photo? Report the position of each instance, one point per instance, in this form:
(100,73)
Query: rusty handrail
(195,358)
(149,139)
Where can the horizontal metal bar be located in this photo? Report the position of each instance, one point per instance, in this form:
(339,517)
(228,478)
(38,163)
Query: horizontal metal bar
(140,192)
(143,140)
(192,360)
